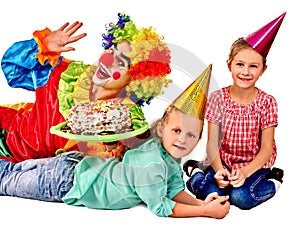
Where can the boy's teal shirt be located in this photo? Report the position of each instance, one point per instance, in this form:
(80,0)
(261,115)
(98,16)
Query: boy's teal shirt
(147,174)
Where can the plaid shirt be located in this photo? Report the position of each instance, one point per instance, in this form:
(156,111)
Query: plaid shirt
(241,126)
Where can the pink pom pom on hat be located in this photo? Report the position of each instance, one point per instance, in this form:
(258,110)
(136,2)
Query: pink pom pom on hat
(262,39)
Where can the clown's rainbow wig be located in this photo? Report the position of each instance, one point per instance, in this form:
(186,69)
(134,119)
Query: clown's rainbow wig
(150,58)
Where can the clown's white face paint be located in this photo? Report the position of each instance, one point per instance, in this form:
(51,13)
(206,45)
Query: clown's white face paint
(113,67)
(112,72)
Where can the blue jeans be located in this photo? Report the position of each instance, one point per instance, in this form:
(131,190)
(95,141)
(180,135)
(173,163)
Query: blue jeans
(256,189)
(46,179)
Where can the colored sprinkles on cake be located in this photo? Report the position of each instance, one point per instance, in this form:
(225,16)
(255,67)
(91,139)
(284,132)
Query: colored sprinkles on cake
(99,118)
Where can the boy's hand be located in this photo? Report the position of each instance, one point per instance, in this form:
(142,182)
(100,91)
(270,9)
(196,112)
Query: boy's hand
(219,207)
(212,196)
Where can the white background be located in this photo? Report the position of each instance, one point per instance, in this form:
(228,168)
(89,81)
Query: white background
(205,29)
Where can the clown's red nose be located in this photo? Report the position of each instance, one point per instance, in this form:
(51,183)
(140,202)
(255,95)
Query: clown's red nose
(107,59)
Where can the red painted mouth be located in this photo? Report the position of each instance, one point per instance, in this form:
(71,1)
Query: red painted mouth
(102,72)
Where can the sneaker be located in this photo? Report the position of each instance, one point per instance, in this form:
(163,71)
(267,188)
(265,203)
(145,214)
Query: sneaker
(190,165)
(276,174)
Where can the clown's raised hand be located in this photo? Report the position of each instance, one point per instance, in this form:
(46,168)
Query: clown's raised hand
(58,40)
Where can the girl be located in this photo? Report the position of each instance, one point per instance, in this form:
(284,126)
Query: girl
(241,124)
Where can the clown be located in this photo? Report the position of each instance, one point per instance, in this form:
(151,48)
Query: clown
(132,68)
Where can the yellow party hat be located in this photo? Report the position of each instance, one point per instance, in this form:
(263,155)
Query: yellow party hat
(193,100)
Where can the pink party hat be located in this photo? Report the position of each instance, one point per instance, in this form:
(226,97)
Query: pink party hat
(262,39)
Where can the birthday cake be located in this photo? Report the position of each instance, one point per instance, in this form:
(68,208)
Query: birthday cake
(99,118)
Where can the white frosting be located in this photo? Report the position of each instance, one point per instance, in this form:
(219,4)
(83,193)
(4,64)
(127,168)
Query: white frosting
(99,117)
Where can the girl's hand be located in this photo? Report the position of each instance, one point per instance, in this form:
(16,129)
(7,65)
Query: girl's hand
(222,177)
(57,40)
(237,178)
